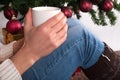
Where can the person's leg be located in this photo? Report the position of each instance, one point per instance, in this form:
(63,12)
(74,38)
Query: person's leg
(81,48)
(106,68)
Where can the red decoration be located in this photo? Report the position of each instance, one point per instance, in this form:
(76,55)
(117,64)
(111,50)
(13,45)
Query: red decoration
(85,5)
(106,6)
(9,13)
(13,26)
(67,11)
(78,70)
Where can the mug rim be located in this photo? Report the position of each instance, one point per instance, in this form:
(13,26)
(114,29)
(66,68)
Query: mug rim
(45,8)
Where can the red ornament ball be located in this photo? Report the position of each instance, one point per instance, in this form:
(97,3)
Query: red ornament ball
(67,11)
(13,26)
(106,6)
(9,13)
(85,5)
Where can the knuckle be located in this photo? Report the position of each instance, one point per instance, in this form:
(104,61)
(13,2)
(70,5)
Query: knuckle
(54,44)
(50,37)
(65,37)
(65,19)
(44,29)
(66,27)
(56,18)
(62,23)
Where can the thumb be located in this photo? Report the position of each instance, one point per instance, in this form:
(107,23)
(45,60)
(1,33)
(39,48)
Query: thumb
(28,20)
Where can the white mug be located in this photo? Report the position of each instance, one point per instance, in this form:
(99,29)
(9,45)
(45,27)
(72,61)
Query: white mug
(43,13)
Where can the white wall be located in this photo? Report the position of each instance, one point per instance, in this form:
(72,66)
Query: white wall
(3,22)
(109,34)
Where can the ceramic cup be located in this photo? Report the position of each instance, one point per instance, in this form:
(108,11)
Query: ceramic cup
(43,13)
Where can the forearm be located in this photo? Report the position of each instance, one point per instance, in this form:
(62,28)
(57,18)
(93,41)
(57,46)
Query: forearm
(22,60)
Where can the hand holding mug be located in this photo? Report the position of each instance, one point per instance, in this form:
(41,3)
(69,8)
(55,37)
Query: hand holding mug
(40,41)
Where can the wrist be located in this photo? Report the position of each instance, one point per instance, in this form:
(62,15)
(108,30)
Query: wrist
(23,60)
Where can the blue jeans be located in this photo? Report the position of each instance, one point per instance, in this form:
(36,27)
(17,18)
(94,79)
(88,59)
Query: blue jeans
(81,48)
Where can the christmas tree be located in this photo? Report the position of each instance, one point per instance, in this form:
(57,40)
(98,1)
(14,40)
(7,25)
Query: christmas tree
(105,8)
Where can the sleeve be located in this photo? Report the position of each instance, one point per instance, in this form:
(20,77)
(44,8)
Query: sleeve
(8,71)
(6,51)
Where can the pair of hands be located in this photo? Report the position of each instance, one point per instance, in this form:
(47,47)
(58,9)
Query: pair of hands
(40,41)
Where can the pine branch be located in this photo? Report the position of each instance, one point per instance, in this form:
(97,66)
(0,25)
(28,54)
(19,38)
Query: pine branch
(102,20)
(116,5)
(94,17)
(112,17)
(78,15)
(75,7)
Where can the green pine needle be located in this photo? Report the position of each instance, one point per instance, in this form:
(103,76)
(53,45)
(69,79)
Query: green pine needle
(94,17)
(112,17)
(116,5)
(102,18)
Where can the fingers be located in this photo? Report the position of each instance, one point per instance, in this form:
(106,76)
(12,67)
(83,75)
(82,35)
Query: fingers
(62,32)
(54,20)
(62,40)
(28,20)
(59,30)
(61,35)
(59,25)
